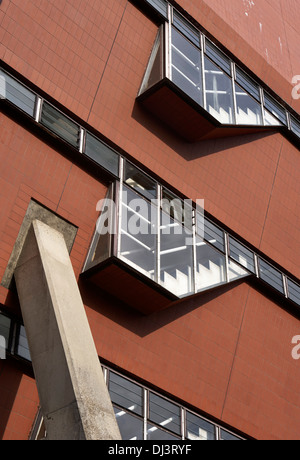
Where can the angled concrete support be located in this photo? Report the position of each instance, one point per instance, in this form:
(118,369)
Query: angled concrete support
(74,398)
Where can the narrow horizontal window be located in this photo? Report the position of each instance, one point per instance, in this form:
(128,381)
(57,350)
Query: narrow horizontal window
(294,291)
(226,436)
(59,124)
(139,181)
(295,126)
(270,275)
(218,56)
(276,109)
(17,94)
(241,254)
(187,28)
(164,413)
(102,154)
(247,83)
(161,6)
(125,393)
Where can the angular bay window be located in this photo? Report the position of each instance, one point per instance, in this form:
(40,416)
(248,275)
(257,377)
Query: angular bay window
(210,266)
(248,110)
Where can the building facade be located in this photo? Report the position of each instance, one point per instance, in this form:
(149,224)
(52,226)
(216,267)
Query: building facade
(161,139)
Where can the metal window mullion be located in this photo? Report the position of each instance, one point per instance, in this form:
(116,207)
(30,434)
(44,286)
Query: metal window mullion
(256,265)
(262,103)
(146,404)
(168,43)
(194,252)
(38,109)
(285,285)
(119,207)
(183,412)
(203,71)
(226,244)
(158,233)
(82,137)
(234,93)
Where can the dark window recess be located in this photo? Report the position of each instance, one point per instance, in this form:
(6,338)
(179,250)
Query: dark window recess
(59,124)
(242,255)
(276,109)
(143,184)
(217,56)
(187,29)
(125,393)
(271,276)
(294,291)
(131,427)
(164,413)
(5,325)
(161,6)
(226,436)
(17,94)
(102,154)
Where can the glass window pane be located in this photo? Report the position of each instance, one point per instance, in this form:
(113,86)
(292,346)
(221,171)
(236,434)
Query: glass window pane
(156,434)
(294,291)
(248,84)
(60,124)
(23,348)
(213,234)
(295,126)
(248,110)
(176,257)
(217,56)
(186,66)
(199,429)
(276,109)
(226,436)
(218,89)
(102,154)
(5,324)
(271,276)
(186,28)
(125,393)
(270,120)
(210,266)
(17,94)
(241,254)
(153,72)
(235,271)
(131,428)
(143,184)
(164,413)
(139,233)
(159,5)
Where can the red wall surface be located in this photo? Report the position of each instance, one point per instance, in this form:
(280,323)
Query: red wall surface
(226,353)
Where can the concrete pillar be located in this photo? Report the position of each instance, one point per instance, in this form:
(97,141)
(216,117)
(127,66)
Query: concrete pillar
(74,399)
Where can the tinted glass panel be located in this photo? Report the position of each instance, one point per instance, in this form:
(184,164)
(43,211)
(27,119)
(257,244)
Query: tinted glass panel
(248,110)
(138,233)
(102,154)
(235,271)
(217,56)
(247,83)
(271,276)
(210,266)
(17,94)
(136,179)
(23,348)
(60,124)
(131,428)
(275,108)
(164,413)
(176,257)
(213,234)
(156,434)
(186,66)
(199,429)
(294,291)
(270,120)
(125,393)
(5,327)
(225,436)
(159,5)
(219,94)
(295,126)
(186,28)
(242,254)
